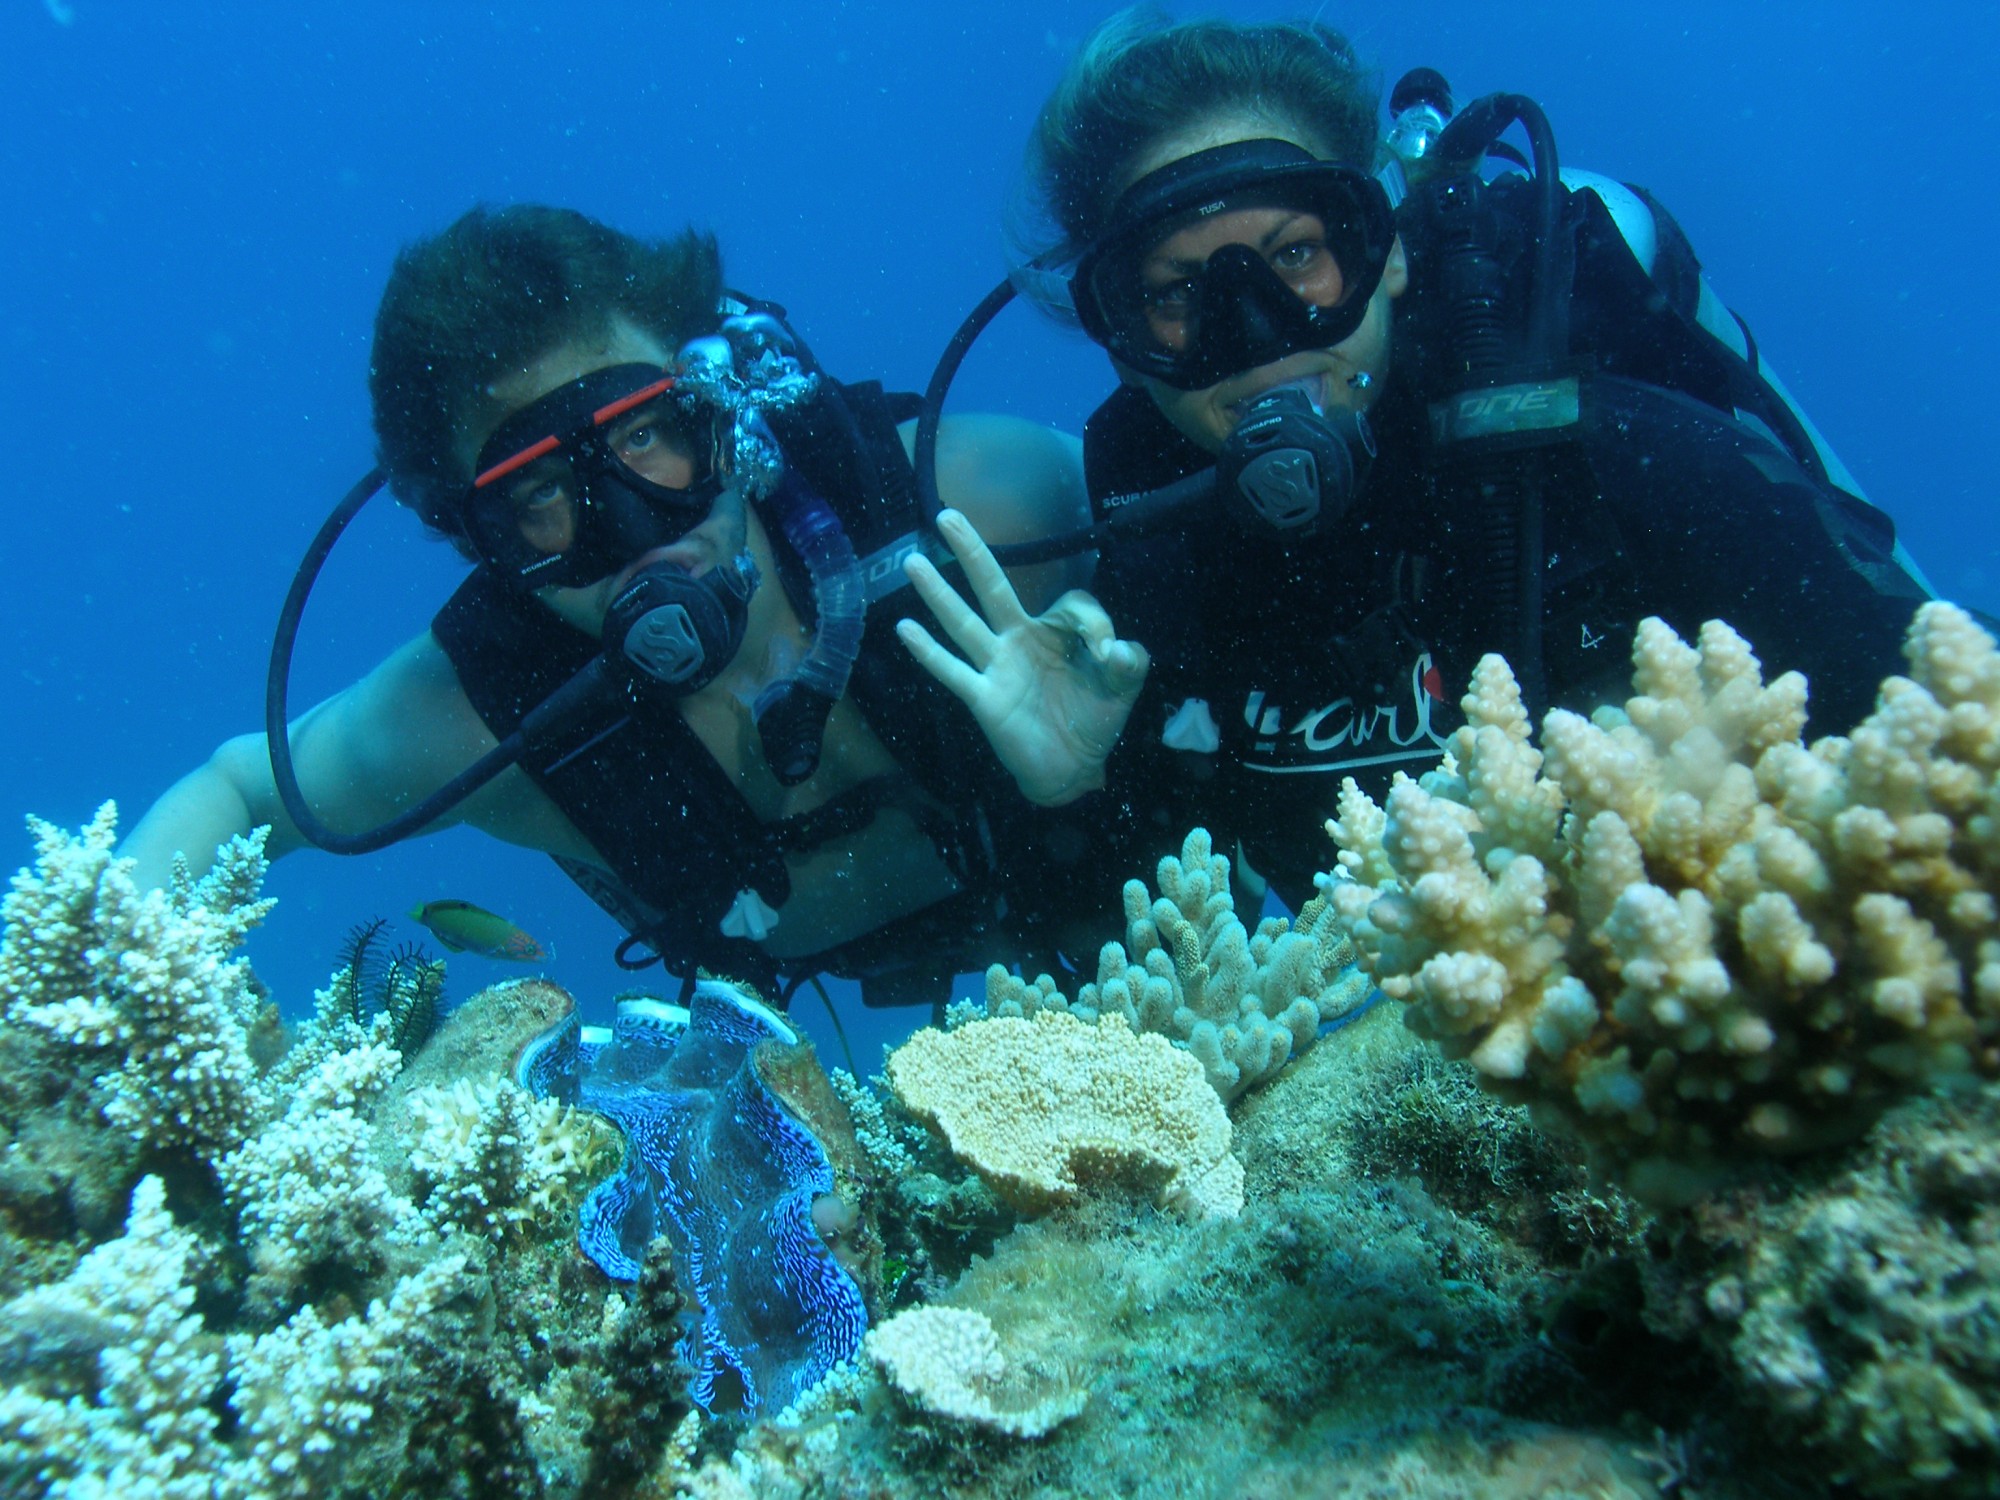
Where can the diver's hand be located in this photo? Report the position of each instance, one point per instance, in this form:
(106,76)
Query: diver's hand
(1052,693)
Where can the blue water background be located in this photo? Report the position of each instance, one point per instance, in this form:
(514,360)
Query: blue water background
(199,203)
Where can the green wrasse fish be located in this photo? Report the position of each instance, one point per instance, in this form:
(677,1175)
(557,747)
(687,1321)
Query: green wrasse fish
(465,928)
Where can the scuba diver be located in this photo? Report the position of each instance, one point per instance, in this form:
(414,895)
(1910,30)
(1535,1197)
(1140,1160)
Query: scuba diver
(1372,424)
(661,670)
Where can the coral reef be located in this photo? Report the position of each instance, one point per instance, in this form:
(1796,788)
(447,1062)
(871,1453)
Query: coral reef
(725,1168)
(110,1370)
(1047,1108)
(1345,1335)
(142,982)
(1855,1305)
(1686,936)
(493,1160)
(317,1263)
(221,1279)
(1243,1003)
(947,1360)
(307,1189)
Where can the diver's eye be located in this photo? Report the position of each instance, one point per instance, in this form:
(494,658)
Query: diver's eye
(638,439)
(1172,299)
(539,491)
(1298,256)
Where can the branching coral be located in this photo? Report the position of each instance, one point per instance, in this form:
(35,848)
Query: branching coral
(111,1372)
(144,981)
(1685,934)
(492,1159)
(1243,1003)
(306,1389)
(307,1188)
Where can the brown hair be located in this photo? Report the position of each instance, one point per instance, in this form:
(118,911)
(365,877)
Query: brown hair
(492,293)
(1139,77)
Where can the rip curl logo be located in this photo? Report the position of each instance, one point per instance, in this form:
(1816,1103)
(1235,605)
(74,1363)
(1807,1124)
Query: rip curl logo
(1348,733)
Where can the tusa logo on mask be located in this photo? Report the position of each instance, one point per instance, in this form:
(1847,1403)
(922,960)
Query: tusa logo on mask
(1350,731)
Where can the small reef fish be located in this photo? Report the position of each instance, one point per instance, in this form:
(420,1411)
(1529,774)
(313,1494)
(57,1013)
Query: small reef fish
(465,928)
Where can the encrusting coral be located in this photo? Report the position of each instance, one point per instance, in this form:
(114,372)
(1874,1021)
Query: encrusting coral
(948,1362)
(1044,1108)
(1685,935)
(1244,1003)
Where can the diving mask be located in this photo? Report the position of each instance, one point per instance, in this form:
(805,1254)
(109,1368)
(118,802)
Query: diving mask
(1194,323)
(574,485)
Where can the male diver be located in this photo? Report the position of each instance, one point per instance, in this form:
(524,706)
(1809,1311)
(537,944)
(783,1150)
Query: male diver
(664,669)
(1372,425)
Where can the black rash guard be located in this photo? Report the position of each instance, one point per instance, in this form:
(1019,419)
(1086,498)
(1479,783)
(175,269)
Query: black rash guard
(1689,488)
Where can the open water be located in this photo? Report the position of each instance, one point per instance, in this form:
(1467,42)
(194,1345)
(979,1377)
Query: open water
(199,203)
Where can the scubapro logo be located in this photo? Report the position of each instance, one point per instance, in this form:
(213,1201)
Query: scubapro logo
(1347,732)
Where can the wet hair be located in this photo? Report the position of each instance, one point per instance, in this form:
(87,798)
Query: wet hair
(1140,77)
(489,296)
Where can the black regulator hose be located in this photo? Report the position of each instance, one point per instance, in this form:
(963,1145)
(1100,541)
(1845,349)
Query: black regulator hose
(587,685)
(1129,515)
(1514,509)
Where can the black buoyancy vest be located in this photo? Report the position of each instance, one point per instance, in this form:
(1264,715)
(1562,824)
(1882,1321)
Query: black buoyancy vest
(638,784)
(1663,501)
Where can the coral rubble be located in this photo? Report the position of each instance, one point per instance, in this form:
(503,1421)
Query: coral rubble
(1679,931)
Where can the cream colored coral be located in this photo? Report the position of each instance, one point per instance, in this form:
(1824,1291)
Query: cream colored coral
(947,1360)
(1043,1108)
(1243,1003)
(145,983)
(145,1426)
(307,1188)
(1728,940)
(306,1389)
(493,1159)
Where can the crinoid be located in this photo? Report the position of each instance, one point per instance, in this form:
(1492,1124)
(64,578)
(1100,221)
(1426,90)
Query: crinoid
(405,983)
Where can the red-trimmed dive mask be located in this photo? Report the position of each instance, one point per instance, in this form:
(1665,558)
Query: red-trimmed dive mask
(1193,325)
(572,487)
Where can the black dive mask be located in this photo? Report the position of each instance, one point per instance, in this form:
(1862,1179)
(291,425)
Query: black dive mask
(1289,468)
(570,487)
(1194,326)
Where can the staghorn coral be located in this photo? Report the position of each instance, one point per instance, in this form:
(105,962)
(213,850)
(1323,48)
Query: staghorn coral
(1243,1003)
(307,1188)
(306,1389)
(1046,1107)
(110,1371)
(142,983)
(1683,934)
(947,1361)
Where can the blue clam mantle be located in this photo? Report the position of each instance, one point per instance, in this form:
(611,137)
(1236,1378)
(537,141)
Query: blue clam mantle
(721,1167)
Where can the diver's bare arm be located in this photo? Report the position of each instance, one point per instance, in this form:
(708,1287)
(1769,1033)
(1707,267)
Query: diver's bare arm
(362,756)
(1016,481)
